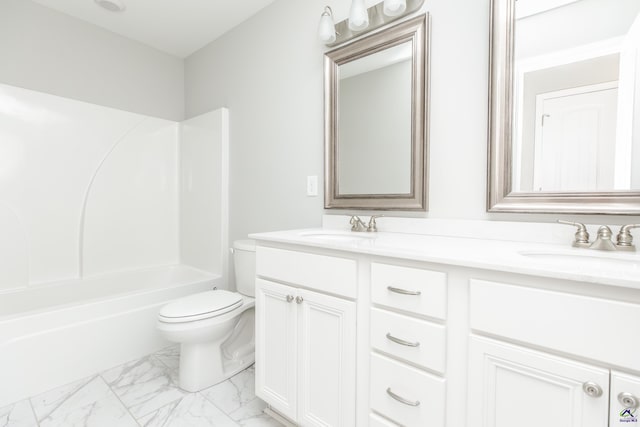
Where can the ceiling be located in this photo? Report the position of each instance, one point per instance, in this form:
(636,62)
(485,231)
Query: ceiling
(176,27)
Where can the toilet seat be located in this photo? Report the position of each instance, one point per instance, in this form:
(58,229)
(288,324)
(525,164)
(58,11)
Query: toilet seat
(202,305)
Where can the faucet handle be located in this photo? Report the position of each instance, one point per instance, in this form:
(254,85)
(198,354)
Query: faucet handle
(373,226)
(356,223)
(624,238)
(581,236)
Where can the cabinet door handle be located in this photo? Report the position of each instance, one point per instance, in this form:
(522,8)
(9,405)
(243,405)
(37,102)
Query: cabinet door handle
(401,341)
(299,300)
(403,291)
(628,400)
(289,298)
(592,389)
(402,399)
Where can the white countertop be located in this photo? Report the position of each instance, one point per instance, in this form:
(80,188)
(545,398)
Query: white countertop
(538,259)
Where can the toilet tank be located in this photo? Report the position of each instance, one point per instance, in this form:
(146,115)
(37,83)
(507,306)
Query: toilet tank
(244,262)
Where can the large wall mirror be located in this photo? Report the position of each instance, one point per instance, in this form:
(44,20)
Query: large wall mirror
(375,120)
(565,106)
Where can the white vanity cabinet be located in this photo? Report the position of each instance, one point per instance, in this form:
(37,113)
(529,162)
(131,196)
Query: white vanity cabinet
(511,385)
(306,340)
(408,341)
(379,334)
(553,387)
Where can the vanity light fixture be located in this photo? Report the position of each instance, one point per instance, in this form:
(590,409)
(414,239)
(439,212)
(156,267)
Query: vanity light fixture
(327,29)
(358,16)
(394,7)
(111,5)
(362,20)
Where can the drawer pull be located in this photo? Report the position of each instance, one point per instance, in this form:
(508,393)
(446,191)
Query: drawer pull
(401,341)
(403,291)
(402,399)
(289,298)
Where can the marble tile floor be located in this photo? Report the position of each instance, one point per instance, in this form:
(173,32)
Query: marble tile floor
(142,393)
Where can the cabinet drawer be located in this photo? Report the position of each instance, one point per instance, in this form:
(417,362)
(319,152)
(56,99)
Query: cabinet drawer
(593,328)
(425,342)
(424,393)
(328,274)
(377,421)
(425,291)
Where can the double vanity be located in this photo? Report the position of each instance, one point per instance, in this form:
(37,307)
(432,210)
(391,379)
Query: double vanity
(454,323)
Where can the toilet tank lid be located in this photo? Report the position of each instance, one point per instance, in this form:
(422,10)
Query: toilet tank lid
(245,245)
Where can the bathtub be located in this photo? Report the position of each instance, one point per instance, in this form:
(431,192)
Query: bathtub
(60,332)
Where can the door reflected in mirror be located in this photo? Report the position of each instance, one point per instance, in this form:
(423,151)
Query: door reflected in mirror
(576,87)
(374,112)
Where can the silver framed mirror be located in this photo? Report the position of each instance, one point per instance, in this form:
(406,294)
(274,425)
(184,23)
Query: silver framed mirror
(564,86)
(376,120)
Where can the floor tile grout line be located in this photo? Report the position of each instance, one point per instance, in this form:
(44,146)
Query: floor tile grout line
(220,409)
(68,396)
(119,400)
(33,411)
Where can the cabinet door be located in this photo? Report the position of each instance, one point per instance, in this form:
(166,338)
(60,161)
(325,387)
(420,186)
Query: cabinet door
(276,355)
(625,400)
(512,386)
(327,360)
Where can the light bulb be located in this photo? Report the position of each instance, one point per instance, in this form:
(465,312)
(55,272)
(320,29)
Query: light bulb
(326,28)
(394,7)
(358,16)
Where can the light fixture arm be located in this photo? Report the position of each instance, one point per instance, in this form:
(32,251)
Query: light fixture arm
(377,19)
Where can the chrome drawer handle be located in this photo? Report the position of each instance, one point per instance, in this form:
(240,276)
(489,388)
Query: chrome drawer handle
(402,399)
(403,291)
(289,298)
(401,341)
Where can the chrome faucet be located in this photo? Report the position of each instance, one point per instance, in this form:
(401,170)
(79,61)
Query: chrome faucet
(603,242)
(373,226)
(625,239)
(358,225)
(581,239)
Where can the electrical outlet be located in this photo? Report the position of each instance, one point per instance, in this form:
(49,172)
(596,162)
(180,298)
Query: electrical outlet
(312,185)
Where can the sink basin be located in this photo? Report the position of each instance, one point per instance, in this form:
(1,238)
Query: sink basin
(592,259)
(336,235)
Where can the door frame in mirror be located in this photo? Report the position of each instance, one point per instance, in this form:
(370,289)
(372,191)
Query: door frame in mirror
(416,31)
(500,197)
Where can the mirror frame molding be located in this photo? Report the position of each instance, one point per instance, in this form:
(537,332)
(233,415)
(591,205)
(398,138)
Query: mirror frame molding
(414,30)
(500,197)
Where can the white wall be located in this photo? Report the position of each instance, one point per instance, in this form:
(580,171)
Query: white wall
(268,71)
(84,189)
(51,52)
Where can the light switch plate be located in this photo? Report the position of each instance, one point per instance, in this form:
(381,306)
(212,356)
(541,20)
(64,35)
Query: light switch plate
(312,185)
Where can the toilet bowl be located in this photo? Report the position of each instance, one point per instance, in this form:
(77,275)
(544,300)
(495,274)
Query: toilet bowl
(215,328)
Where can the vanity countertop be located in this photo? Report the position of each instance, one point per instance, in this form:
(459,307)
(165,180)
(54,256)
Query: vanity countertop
(538,259)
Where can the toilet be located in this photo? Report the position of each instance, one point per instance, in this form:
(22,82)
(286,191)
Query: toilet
(215,328)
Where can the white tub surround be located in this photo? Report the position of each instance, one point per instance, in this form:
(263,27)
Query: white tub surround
(105,215)
(57,333)
(441,316)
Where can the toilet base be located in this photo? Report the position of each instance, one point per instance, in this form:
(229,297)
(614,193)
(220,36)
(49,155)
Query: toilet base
(202,365)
